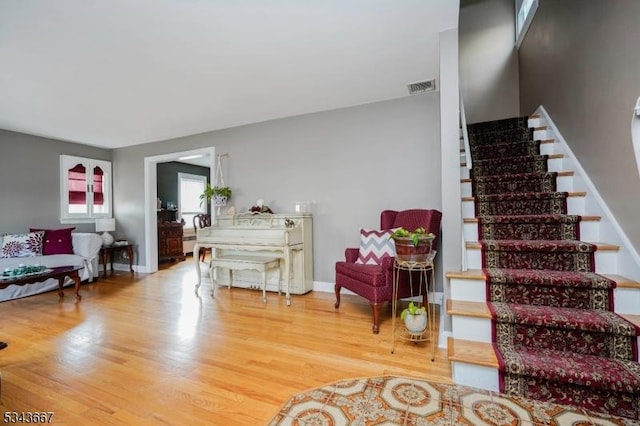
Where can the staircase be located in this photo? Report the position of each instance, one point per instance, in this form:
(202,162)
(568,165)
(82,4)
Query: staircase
(545,310)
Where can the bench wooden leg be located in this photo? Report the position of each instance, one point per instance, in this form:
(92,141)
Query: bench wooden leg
(264,286)
(213,284)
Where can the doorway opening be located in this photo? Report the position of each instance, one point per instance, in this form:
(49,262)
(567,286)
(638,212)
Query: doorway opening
(151,197)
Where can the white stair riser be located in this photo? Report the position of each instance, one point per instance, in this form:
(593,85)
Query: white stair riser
(464,172)
(590,231)
(535,122)
(476,376)
(469,290)
(539,135)
(627,300)
(575,205)
(555,164)
(468,209)
(474,258)
(471,328)
(606,260)
(465,189)
(470,231)
(548,148)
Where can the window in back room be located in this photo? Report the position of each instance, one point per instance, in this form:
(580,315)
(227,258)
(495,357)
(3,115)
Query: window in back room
(190,187)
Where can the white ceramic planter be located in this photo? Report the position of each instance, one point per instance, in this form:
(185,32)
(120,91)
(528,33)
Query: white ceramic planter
(415,324)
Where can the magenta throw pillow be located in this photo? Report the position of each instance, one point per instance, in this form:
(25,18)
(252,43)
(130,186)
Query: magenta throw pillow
(56,241)
(375,246)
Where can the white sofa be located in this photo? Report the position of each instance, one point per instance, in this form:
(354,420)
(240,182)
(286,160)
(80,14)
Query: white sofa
(86,247)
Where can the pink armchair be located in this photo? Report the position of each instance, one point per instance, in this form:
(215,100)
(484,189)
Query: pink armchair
(375,282)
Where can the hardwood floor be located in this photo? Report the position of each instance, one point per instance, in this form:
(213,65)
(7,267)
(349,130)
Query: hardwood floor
(144,349)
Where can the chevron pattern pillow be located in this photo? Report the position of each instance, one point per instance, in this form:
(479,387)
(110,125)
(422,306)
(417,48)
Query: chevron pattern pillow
(375,246)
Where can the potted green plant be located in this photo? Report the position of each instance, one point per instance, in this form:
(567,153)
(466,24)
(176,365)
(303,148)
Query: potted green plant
(413,246)
(415,319)
(219,194)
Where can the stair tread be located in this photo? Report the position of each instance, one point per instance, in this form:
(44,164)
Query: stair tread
(483,354)
(633,319)
(570,194)
(468,309)
(601,246)
(478,275)
(549,157)
(573,367)
(470,352)
(559,174)
(566,318)
(584,219)
(469,274)
(481,310)
(622,281)
(585,370)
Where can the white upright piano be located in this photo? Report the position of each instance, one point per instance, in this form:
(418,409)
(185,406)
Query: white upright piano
(286,236)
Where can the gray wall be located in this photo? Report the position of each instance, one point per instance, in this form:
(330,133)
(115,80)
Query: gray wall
(581,61)
(30,176)
(352,163)
(488,60)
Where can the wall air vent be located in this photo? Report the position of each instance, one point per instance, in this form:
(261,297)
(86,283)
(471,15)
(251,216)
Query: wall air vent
(421,87)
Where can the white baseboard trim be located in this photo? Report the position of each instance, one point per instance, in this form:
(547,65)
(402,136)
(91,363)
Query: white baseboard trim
(327,287)
(444,335)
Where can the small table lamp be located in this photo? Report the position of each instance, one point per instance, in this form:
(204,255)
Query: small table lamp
(105,226)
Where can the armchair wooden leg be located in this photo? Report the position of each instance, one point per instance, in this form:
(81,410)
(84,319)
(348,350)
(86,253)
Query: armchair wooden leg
(375,309)
(337,289)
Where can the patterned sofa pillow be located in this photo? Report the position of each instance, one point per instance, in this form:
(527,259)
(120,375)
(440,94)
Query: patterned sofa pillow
(22,245)
(375,246)
(56,241)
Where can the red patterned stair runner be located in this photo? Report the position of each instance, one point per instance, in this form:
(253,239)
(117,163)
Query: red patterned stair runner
(483,152)
(581,290)
(515,183)
(554,330)
(529,227)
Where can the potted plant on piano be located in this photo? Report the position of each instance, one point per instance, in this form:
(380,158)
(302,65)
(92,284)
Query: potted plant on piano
(219,194)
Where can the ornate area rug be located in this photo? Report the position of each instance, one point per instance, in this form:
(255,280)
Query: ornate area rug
(392,400)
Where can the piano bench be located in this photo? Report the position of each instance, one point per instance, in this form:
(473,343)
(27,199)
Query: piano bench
(261,264)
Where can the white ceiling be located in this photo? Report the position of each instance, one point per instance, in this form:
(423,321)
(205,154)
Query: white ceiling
(113,73)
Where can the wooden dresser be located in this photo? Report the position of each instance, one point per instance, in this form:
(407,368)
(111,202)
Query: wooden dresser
(169,236)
